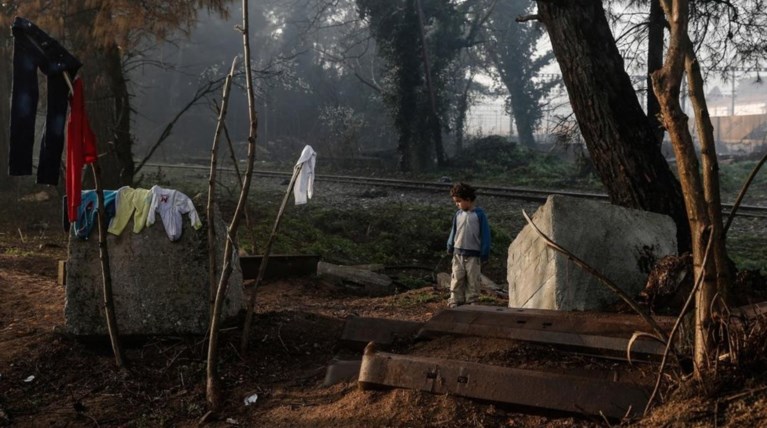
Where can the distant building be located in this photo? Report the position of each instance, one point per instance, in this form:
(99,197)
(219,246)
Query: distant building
(740,117)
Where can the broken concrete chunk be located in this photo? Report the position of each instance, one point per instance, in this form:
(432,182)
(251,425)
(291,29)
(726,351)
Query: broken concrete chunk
(621,243)
(160,287)
(358,281)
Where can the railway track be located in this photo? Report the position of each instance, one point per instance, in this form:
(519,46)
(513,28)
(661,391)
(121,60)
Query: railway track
(519,193)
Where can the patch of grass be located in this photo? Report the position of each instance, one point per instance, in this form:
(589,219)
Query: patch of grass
(419,298)
(496,161)
(748,253)
(732,176)
(387,234)
(18,252)
(412,283)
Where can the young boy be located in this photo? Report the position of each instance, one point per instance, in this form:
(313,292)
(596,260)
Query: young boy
(469,243)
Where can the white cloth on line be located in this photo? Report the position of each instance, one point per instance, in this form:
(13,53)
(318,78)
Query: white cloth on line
(304,186)
(171,204)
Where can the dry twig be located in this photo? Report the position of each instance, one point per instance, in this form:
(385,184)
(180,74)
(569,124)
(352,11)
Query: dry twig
(678,322)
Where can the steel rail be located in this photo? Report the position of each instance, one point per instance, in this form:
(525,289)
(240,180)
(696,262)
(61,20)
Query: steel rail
(519,193)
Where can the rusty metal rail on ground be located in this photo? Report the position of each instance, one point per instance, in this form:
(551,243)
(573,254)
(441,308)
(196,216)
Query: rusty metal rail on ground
(598,333)
(507,385)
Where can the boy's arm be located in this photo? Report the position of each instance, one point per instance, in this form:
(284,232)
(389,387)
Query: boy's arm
(484,227)
(451,238)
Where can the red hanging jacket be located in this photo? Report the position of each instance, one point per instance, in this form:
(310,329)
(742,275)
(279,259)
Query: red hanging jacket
(81,147)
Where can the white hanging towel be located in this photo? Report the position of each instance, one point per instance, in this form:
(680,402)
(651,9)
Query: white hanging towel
(304,186)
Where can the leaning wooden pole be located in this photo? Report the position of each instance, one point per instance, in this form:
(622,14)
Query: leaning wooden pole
(106,274)
(213,390)
(212,264)
(265,260)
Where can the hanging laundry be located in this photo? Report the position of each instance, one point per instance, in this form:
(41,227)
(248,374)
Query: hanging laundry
(88,208)
(81,147)
(171,204)
(130,204)
(304,186)
(35,50)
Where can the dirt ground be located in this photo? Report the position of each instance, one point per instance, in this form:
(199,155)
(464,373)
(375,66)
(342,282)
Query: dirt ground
(48,378)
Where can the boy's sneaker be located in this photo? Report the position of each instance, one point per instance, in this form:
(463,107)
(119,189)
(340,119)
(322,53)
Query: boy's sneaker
(452,305)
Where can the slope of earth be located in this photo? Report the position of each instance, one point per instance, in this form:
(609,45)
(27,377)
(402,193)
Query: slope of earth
(48,378)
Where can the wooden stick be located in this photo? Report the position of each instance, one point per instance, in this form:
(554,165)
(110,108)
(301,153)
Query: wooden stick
(212,265)
(265,259)
(679,322)
(213,388)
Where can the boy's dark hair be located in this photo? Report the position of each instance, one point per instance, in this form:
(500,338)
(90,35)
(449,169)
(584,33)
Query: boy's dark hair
(463,191)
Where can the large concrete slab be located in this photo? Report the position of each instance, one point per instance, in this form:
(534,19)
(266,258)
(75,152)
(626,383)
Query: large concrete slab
(160,287)
(621,243)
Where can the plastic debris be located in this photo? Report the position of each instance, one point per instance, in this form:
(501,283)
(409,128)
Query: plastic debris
(251,399)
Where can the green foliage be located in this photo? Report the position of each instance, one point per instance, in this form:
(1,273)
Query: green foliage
(388,234)
(734,175)
(512,50)
(418,299)
(496,160)
(748,252)
(396,28)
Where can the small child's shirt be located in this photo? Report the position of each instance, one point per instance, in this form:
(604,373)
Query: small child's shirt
(470,234)
(171,204)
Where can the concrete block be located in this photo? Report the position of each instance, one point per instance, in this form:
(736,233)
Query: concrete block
(621,243)
(160,287)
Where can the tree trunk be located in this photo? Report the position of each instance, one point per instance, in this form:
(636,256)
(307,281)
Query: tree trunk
(434,120)
(460,121)
(711,190)
(617,132)
(5,106)
(521,109)
(654,62)
(701,195)
(109,109)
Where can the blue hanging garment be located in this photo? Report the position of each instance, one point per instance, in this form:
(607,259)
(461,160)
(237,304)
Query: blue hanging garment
(86,212)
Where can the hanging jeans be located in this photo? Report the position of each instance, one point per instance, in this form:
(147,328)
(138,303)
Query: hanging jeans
(34,50)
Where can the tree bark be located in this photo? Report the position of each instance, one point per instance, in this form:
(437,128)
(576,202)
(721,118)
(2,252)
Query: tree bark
(617,132)
(701,194)
(110,114)
(654,62)
(5,106)
(435,122)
